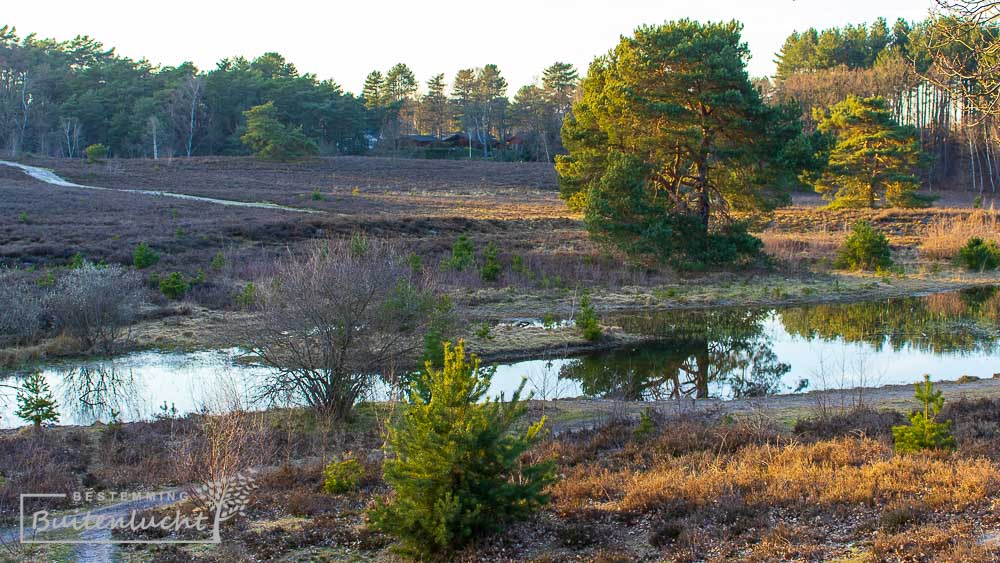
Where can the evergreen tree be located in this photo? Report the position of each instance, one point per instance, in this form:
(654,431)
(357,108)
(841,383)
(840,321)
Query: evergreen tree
(399,84)
(871,161)
(435,115)
(35,402)
(560,81)
(371,92)
(924,432)
(456,464)
(271,139)
(670,136)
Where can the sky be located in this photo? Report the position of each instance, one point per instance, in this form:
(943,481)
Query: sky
(344,41)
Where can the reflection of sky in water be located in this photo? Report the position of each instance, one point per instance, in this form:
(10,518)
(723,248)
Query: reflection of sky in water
(847,364)
(137,385)
(145,380)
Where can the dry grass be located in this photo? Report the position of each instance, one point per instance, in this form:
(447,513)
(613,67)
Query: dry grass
(946,235)
(827,473)
(801,249)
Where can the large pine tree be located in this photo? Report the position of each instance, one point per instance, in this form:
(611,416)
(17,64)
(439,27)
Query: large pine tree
(668,138)
(871,161)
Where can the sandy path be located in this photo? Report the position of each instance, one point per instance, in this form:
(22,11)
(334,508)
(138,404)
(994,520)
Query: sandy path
(50,177)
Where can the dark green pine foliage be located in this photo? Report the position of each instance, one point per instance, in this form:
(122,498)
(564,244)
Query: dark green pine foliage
(924,432)
(35,402)
(670,137)
(457,465)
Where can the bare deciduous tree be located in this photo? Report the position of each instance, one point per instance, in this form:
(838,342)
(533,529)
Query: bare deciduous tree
(337,319)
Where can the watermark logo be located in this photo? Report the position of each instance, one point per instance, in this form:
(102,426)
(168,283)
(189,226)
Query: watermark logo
(133,514)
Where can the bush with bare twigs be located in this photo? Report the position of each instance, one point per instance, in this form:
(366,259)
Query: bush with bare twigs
(336,319)
(97,304)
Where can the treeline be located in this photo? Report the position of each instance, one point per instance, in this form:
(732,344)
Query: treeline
(820,68)
(476,106)
(58,97)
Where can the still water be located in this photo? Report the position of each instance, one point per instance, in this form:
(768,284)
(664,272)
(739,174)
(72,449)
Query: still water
(724,353)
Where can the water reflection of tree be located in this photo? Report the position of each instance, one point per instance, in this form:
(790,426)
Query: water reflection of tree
(952,322)
(92,393)
(696,354)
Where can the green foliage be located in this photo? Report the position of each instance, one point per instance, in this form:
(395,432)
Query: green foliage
(143,256)
(484,331)
(174,286)
(646,427)
(491,265)
(415,262)
(76,261)
(317,195)
(463,255)
(586,320)
(669,137)
(35,402)
(853,46)
(924,432)
(359,245)
(247,297)
(96,153)
(270,139)
(218,261)
(549,321)
(871,161)
(977,203)
(865,249)
(22,217)
(979,255)
(457,469)
(342,476)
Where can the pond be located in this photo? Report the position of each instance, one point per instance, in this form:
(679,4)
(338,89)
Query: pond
(724,353)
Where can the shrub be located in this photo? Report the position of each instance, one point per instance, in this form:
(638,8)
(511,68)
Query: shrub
(97,304)
(35,402)
(924,432)
(342,476)
(463,254)
(467,453)
(586,320)
(979,255)
(247,297)
(218,261)
(22,311)
(22,217)
(143,256)
(317,195)
(96,153)
(865,249)
(491,265)
(174,286)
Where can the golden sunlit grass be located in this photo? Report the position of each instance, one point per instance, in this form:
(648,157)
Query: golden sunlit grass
(842,471)
(946,235)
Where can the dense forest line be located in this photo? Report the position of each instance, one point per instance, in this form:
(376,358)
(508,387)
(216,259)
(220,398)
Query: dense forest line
(903,65)
(57,97)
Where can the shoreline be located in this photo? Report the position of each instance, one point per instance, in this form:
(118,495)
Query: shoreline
(192,328)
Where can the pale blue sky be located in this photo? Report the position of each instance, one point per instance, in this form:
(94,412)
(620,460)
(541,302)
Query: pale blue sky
(344,41)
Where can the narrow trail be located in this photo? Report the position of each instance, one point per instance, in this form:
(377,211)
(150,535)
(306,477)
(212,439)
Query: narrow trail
(100,551)
(50,177)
